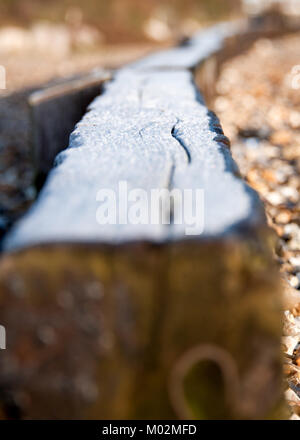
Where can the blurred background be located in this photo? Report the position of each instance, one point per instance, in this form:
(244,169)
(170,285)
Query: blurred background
(119,21)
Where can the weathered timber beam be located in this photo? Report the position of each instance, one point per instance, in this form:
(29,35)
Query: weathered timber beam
(142,320)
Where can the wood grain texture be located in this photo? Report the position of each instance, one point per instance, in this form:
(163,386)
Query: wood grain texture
(151,130)
(99,332)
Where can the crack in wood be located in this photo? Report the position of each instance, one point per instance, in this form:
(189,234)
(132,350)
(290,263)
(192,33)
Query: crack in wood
(175,135)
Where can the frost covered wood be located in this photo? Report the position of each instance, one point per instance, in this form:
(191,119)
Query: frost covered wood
(142,321)
(151,130)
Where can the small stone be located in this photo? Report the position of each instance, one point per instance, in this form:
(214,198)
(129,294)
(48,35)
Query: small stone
(282,137)
(291,327)
(286,267)
(295,282)
(221,104)
(291,193)
(291,296)
(291,152)
(283,217)
(278,229)
(294,244)
(275,198)
(295,262)
(294,119)
(296,355)
(290,343)
(269,176)
(291,230)
(292,396)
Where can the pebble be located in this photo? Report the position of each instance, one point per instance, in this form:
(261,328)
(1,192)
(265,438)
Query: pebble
(290,342)
(275,198)
(283,137)
(290,193)
(295,281)
(295,262)
(283,217)
(291,327)
(292,230)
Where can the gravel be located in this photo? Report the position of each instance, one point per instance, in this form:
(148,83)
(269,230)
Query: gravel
(258,103)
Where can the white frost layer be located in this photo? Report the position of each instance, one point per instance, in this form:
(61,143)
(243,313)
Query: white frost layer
(152,130)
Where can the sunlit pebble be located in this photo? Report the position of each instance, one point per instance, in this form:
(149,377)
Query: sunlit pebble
(273,210)
(252,143)
(281,137)
(295,281)
(230,131)
(271,152)
(275,117)
(294,244)
(280,176)
(290,325)
(294,417)
(223,87)
(294,119)
(274,198)
(278,229)
(291,396)
(262,188)
(294,381)
(258,159)
(280,248)
(288,170)
(291,230)
(289,192)
(290,343)
(230,75)
(295,262)
(253,154)
(283,217)
(288,367)
(248,102)
(264,47)
(221,104)
(294,181)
